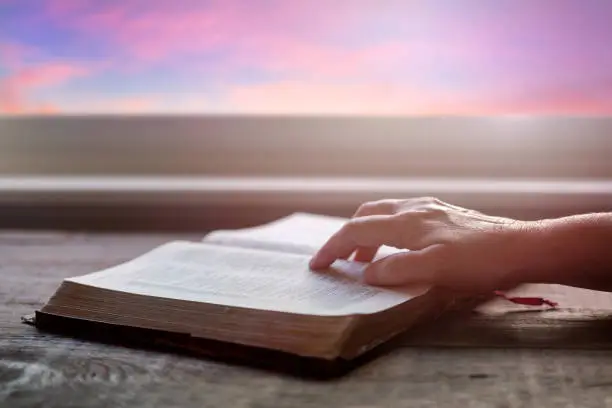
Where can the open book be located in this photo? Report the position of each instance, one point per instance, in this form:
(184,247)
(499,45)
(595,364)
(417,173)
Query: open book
(251,287)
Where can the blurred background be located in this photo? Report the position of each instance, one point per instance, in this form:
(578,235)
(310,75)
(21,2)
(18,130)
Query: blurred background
(200,114)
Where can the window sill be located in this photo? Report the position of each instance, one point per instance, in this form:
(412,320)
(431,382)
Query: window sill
(202,203)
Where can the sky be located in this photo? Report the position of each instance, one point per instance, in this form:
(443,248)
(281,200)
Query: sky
(364,57)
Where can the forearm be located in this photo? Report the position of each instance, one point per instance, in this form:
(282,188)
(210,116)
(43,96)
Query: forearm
(574,250)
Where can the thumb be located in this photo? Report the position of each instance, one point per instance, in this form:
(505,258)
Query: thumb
(411,267)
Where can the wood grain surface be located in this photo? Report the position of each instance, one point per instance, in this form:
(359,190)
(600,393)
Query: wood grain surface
(41,370)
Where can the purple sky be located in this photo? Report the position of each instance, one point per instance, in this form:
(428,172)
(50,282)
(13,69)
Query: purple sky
(304,56)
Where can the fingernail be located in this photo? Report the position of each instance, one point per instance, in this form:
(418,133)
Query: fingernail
(315,263)
(320,261)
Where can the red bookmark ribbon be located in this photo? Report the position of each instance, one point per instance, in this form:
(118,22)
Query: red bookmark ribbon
(527,301)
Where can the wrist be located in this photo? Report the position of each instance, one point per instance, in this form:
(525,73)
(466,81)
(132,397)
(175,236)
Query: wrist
(570,250)
(524,256)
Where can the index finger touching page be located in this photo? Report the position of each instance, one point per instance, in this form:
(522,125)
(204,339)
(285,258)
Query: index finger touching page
(370,231)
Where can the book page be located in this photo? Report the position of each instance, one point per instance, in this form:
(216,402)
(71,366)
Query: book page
(299,233)
(248,278)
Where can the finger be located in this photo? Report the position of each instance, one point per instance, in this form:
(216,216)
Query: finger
(346,254)
(415,267)
(366,254)
(372,232)
(382,207)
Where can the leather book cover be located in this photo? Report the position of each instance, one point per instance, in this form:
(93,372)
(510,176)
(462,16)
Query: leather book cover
(148,339)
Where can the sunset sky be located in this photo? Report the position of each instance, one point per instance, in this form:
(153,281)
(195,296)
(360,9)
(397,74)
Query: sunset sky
(306,56)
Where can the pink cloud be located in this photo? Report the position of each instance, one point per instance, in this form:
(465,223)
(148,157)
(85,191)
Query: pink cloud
(25,76)
(15,106)
(133,104)
(15,87)
(140,104)
(311,98)
(331,59)
(391,99)
(155,30)
(63,7)
(44,75)
(14,54)
(292,39)
(561,102)
(285,35)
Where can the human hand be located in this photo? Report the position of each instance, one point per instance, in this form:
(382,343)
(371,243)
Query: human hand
(449,245)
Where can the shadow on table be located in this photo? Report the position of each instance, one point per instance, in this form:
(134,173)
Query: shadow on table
(537,329)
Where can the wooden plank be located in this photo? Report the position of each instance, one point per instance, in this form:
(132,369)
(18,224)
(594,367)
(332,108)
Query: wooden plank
(38,369)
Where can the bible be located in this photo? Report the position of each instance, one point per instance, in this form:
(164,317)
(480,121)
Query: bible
(251,288)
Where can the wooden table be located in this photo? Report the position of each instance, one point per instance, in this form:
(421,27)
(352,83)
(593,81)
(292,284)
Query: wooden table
(44,370)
